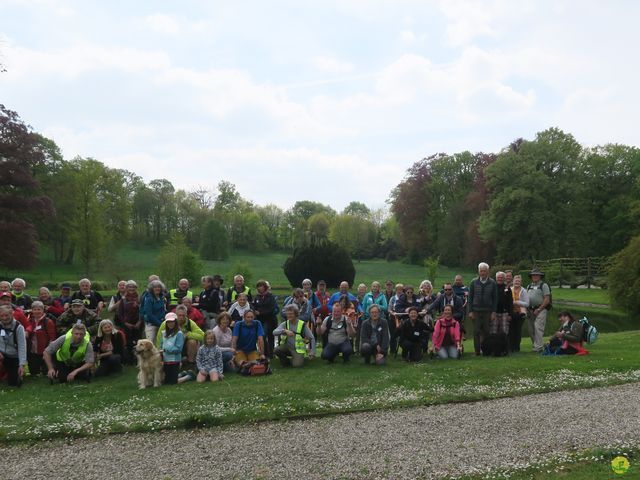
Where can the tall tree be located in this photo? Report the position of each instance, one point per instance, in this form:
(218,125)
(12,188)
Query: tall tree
(21,202)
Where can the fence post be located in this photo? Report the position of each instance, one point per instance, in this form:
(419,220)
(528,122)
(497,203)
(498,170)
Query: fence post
(561,276)
(589,272)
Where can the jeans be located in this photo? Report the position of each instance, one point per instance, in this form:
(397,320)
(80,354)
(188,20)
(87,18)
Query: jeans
(448,352)
(226,358)
(331,351)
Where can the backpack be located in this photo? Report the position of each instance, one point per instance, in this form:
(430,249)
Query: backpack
(495,345)
(256,368)
(589,332)
(13,332)
(550,304)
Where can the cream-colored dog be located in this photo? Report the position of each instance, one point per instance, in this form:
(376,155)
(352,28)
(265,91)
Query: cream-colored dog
(149,363)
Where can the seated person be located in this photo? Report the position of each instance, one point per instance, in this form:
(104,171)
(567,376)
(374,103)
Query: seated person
(239,308)
(192,333)
(568,339)
(338,330)
(374,336)
(446,335)
(295,334)
(109,348)
(209,360)
(13,347)
(248,340)
(78,313)
(224,340)
(20,298)
(412,333)
(70,356)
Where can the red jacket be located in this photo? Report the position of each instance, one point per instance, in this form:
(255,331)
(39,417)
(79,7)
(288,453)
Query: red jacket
(20,317)
(195,315)
(44,332)
(440,331)
(323,310)
(55,308)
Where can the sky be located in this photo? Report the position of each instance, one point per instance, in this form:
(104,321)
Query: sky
(330,101)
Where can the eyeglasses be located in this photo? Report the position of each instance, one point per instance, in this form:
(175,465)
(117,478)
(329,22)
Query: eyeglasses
(448,289)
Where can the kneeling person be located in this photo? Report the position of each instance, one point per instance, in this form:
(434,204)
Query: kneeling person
(294,335)
(338,330)
(13,348)
(70,356)
(374,337)
(446,335)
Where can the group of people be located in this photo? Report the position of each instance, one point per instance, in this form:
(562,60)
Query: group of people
(207,335)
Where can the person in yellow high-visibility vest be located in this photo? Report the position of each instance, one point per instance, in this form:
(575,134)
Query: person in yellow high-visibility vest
(294,336)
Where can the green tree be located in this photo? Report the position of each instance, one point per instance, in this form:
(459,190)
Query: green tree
(176,261)
(356,235)
(214,242)
(357,209)
(624,277)
(318,226)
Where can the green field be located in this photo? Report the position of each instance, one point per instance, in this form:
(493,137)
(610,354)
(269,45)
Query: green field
(39,411)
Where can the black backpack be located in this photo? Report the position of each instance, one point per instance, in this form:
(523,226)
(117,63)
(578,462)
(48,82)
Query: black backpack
(495,345)
(13,332)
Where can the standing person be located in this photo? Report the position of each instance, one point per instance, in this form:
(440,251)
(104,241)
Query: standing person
(20,298)
(209,360)
(483,302)
(426,296)
(338,330)
(51,305)
(539,304)
(129,316)
(65,295)
(374,297)
(109,348)
(451,299)
(43,327)
(265,305)
(114,302)
(154,309)
(310,295)
(70,356)
(322,311)
(394,320)
(295,333)
(362,291)
(92,299)
(224,340)
(519,312)
(342,290)
(412,333)
(239,308)
(508,278)
(211,299)
(406,301)
(503,308)
(389,291)
(447,339)
(248,340)
(13,346)
(235,290)
(177,294)
(374,337)
(171,345)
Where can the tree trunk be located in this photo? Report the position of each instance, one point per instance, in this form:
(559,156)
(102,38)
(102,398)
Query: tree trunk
(70,254)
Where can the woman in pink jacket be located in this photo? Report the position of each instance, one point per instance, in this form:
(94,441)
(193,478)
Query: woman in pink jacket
(446,335)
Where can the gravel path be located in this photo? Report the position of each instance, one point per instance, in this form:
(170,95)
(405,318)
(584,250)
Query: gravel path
(424,442)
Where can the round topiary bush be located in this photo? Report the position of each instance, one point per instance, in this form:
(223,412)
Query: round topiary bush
(326,261)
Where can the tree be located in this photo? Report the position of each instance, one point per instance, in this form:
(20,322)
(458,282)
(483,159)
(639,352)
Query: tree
(22,204)
(624,277)
(176,261)
(326,261)
(357,209)
(214,243)
(354,234)
(318,226)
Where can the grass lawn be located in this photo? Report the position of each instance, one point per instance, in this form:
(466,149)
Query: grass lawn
(590,295)
(39,411)
(585,465)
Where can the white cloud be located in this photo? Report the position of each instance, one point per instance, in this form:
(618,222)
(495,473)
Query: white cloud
(163,23)
(332,65)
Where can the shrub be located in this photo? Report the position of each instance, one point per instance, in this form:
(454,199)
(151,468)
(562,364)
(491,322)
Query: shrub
(176,261)
(432,265)
(326,261)
(241,268)
(624,277)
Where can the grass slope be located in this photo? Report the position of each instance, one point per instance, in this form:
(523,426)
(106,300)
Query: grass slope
(39,411)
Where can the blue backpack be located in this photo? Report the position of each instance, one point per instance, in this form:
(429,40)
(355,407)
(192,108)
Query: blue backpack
(590,333)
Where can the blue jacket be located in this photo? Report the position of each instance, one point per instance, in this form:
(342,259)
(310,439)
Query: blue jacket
(172,347)
(153,310)
(336,298)
(381,301)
